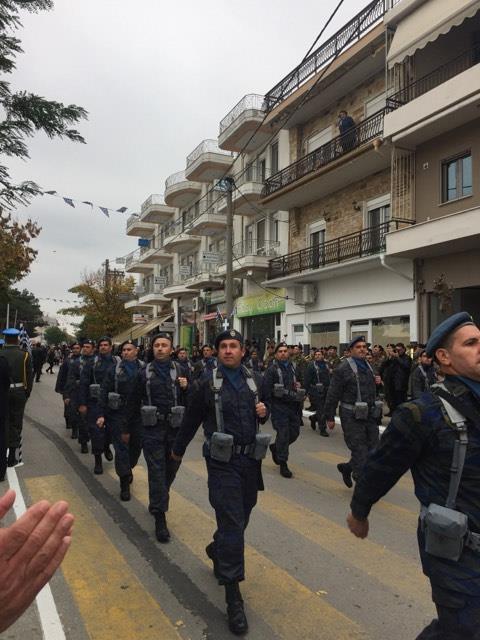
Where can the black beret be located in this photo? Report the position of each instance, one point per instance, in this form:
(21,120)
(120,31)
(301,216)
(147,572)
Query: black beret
(88,341)
(105,339)
(355,340)
(230,334)
(162,334)
(444,329)
(129,341)
(280,344)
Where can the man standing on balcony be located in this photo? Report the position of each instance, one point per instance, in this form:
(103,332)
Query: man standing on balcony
(354,385)
(346,126)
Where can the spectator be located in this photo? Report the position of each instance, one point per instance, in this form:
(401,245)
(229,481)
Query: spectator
(346,127)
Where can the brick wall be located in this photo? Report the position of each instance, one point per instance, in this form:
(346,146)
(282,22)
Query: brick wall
(337,209)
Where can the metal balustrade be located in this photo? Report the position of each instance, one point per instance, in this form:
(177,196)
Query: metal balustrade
(253,247)
(175,178)
(250,101)
(435,78)
(364,132)
(155,198)
(353,246)
(206,146)
(350,33)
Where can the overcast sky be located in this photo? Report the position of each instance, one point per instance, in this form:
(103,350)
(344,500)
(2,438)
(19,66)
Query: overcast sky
(156,78)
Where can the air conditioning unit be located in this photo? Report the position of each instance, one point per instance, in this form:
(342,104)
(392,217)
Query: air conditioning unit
(305,294)
(197,304)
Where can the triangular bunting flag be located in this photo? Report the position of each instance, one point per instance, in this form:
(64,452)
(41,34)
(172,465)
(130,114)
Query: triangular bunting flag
(122,209)
(105,211)
(69,201)
(50,193)
(87,202)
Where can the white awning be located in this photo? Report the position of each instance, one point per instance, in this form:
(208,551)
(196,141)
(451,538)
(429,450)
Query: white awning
(139,330)
(425,24)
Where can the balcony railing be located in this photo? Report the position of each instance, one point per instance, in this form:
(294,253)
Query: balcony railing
(350,247)
(155,198)
(206,146)
(131,258)
(355,137)
(253,247)
(132,219)
(329,50)
(175,178)
(250,101)
(254,172)
(208,267)
(435,78)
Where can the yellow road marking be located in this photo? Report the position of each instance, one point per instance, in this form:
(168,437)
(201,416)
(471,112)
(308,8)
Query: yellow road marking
(113,603)
(405,481)
(395,572)
(286,605)
(405,518)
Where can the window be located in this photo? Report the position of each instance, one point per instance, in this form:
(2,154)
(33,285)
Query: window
(324,334)
(274,157)
(318,139)
(263,170)
(375,104)
(457,177)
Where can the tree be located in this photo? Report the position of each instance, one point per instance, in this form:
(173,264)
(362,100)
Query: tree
(24,305)
(102,304)
(54,335)
(23,115)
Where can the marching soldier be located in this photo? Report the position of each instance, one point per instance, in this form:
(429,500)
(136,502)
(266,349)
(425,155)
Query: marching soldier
(229,403)
(423,376)
(61,384)
(437,437)
(73,396)
(21,381)
(207,363)
(124,420)
(91,379)
(4,390)
(161,394)
(317,381)
(285,397)
(354,386)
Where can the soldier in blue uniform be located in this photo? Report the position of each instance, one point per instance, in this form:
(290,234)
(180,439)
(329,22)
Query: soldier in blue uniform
(73,396)
(426,438)
(317,381)
(207,363)
(160,392)
(124,421)
(184,362)
(284,396)
(229,403)
(91,379)
(353,384)
(61,383)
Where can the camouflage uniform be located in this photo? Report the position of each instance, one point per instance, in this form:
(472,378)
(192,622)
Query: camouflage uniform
(420,437)
(21,381)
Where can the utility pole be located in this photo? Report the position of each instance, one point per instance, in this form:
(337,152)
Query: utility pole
(229,187)
(107,273)
(8,315)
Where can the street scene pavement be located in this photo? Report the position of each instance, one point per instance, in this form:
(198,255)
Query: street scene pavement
(307,576)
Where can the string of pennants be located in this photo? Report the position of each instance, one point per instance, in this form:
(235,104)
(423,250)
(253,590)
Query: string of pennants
(73,202)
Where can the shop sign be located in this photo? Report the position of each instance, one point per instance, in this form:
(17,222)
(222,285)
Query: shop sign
(140,318)
(184,270)
(209,257)
(272,301)
(160,280)
(216,297)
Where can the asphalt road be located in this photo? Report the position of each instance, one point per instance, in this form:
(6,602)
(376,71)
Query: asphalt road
(307,576)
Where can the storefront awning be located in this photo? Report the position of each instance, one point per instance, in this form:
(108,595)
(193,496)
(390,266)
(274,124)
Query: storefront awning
(425,24)
(139,330)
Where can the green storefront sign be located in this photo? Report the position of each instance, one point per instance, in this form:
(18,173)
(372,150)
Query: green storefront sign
(272,301)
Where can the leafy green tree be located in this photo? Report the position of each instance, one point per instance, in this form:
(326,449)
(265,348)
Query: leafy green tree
(54,335)
(22,114)
(24,305)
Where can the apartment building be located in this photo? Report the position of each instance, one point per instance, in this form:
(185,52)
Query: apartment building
(434,123)
(337,189)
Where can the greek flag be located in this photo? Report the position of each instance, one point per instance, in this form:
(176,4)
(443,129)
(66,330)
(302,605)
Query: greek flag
(24,340)
(219,316)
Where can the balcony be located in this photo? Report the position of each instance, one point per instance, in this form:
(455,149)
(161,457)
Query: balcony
(154,210)
(177,287)
(248,191)
(441,101)
(251,255)
(205,277)
(177,239)
(357,153)
(136,307)
(307,263)
(180,192)
(207,162)
(449,234)
(327,52)
(134,264)
(240,129)
(208,222)
(154,296)
(155,255)
(137,227)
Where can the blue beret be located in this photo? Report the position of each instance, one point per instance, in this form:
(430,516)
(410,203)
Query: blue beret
(2,341)
(444,329)
(230,334)
(129,341)
(11,332)
(355,340)
(88,341)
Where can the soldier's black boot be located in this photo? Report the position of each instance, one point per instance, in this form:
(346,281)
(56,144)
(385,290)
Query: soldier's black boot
(98,468)
(324,432)
(125,488)
(313,421)
(285,471)
(74,434)
(237,620)
(108,453)
(273,449)
(12,459)
(210,551)
(346,472)
(83,447)
(161,531)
